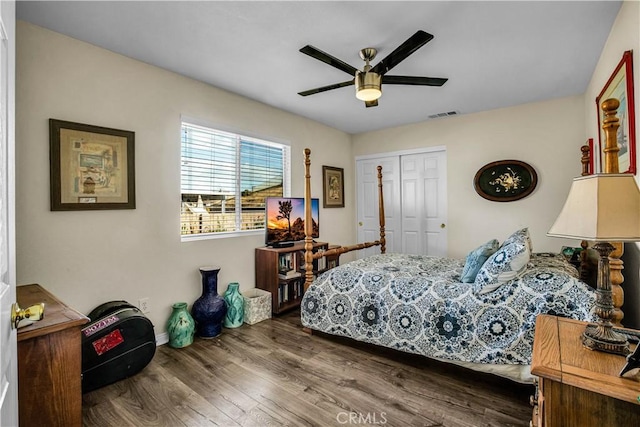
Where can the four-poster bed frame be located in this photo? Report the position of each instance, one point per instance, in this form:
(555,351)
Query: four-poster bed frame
(309,255)
(388,300)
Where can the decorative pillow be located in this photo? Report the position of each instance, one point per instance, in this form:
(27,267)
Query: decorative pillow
(520,235)
(509,262)
(476,259)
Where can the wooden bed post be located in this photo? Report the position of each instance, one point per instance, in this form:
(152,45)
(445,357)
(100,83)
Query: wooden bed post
(309,255)
(585,159)
(585,268)
(383,240)
(610,125)
(308,222)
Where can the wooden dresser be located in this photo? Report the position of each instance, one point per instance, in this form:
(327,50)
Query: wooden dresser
(49,362)
(577,386)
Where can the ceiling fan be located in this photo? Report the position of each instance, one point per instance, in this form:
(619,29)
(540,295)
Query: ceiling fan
(369,81)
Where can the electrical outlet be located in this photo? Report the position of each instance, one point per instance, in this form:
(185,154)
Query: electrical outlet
(143,305)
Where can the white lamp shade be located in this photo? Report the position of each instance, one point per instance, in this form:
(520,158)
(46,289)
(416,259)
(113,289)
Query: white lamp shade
(601,208)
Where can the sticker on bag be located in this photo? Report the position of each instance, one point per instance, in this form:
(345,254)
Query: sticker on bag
(100,325)
(108,342)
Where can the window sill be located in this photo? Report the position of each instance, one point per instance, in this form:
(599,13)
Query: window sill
(227,235)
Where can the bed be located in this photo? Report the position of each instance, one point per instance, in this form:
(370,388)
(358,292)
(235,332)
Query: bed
(418,304)
(478,312)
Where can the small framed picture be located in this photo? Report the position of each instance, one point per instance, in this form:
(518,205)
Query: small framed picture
(91,168)
(333,187)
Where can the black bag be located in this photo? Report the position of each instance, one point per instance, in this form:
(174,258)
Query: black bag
(118,342)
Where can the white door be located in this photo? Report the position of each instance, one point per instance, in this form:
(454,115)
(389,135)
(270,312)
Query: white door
(415,201)
(424,203)
(8,359)
(367,210)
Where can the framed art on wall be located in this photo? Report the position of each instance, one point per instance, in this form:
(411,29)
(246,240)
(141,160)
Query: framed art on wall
(505,180)
(620,87)
(91,167)
(333,187)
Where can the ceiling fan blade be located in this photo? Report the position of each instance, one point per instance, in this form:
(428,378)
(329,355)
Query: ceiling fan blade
(373,103)
(326,88)
(328,59)
(413,43)
(412,80)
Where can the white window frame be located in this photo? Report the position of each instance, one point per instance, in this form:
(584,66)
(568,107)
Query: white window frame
(241,135)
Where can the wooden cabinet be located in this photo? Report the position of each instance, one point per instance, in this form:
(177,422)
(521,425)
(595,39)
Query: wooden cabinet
(49,362)
(280,271)
(577,386)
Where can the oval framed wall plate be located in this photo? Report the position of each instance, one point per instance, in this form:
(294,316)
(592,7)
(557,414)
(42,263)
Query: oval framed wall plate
(505,180)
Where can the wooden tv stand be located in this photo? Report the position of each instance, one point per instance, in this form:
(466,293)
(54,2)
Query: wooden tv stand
(287,292)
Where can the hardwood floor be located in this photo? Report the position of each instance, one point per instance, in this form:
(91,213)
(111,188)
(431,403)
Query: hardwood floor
(274,374)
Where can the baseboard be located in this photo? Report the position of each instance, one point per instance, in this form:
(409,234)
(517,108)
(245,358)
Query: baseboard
(162,338)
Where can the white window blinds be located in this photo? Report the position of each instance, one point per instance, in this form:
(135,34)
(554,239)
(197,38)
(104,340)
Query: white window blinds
(225,179)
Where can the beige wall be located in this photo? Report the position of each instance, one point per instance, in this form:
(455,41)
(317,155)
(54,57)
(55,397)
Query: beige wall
(87,258)
(547,135)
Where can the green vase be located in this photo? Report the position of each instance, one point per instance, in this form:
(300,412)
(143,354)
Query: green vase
(235,306)
(181,327)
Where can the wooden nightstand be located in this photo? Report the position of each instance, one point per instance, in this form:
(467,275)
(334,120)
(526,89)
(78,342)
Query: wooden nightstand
(577,386)
(50,362)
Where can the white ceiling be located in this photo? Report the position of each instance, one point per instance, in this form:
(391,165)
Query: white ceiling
(495,54)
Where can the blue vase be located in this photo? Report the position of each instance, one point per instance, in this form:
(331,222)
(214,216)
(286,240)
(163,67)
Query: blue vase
(209,310)
(180,326)
(235,306)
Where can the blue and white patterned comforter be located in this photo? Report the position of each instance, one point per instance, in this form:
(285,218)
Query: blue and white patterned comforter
(416,304)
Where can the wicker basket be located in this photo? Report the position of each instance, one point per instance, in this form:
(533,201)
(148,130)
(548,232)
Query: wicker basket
(257,305)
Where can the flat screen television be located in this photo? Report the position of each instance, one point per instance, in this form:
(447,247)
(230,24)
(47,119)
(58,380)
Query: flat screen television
(285,220)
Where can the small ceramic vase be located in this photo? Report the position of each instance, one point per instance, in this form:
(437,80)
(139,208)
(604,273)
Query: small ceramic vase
(180,326)
(235,306)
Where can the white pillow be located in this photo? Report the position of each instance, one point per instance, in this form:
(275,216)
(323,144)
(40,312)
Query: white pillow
(508,263)
(520,235)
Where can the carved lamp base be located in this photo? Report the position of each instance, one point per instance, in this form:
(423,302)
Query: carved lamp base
(601,337)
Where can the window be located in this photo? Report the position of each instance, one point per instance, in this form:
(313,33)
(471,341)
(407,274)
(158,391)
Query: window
(225,179)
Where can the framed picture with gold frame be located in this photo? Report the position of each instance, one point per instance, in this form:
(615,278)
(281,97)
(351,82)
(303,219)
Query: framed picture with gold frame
(620,87)
(91,167)
(333,187)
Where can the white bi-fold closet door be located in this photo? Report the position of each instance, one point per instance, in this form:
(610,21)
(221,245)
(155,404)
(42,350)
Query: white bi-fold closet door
(415,201)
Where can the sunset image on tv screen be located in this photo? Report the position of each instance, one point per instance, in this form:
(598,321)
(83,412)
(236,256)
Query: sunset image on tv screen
(285,219)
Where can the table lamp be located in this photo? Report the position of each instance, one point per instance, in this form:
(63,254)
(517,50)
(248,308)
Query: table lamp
(602,208)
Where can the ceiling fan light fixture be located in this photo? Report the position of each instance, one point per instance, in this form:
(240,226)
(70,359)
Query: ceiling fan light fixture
(368,85)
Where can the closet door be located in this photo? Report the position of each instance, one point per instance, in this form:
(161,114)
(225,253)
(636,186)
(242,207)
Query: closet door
(424,203)
(367,196)
(415,202)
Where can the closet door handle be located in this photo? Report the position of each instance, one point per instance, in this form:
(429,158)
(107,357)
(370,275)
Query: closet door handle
(442,225)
